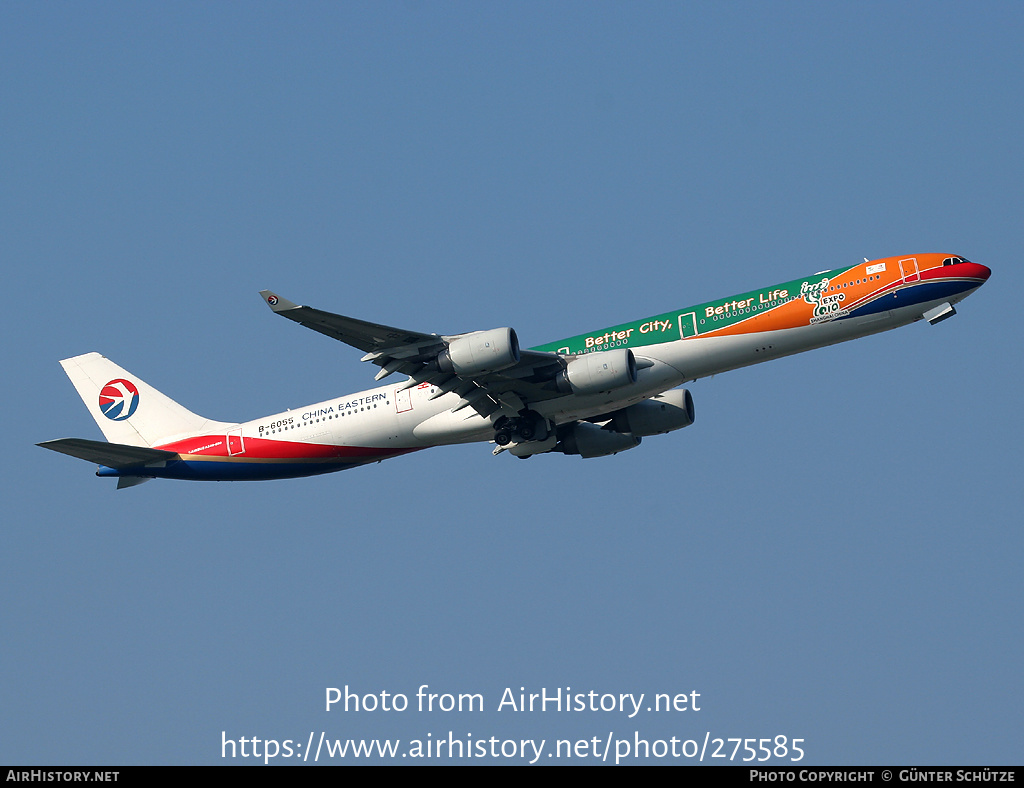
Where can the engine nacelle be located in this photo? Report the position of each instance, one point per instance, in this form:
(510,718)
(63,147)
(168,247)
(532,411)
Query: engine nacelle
(672,410)
(589,440)
(594,373)
(480,353)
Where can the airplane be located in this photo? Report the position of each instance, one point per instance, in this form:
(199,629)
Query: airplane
(592,395)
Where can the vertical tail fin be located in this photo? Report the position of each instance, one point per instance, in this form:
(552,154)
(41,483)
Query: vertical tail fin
(128,410)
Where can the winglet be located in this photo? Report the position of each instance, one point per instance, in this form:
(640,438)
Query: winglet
(275,302)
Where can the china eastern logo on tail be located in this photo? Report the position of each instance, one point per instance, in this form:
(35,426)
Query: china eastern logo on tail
(119,399)
(591,395)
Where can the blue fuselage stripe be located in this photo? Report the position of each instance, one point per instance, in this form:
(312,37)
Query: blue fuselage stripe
(228,470)
(915,294)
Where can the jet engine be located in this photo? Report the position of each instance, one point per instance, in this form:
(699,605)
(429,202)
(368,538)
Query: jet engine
(672,410)
(594,373)
(480,353)
(589,440)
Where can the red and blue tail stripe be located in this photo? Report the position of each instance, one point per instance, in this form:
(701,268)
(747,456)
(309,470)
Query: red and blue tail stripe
(206,457)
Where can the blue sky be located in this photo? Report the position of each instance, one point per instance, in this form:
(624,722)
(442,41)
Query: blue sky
(832,552)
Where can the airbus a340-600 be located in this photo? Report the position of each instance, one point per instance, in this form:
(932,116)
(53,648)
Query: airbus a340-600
(592,395)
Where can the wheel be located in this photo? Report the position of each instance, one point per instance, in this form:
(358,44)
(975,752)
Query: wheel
(526,431)
(502,437)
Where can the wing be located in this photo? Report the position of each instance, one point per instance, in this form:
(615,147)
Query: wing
(485,368)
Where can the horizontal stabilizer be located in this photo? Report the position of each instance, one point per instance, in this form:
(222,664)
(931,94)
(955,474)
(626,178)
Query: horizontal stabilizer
(113,455)
(131,481)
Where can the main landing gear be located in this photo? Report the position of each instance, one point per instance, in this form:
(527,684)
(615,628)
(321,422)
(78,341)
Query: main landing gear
(528,426)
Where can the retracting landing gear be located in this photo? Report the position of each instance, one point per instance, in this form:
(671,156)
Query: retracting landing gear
(503,434)
(527,426)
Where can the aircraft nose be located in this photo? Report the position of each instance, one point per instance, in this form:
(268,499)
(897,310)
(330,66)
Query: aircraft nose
(981,272)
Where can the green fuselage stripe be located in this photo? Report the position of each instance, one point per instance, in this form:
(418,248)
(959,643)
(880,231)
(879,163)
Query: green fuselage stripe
(688,321)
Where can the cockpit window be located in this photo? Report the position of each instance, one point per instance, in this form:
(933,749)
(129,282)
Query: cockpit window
(954,261)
